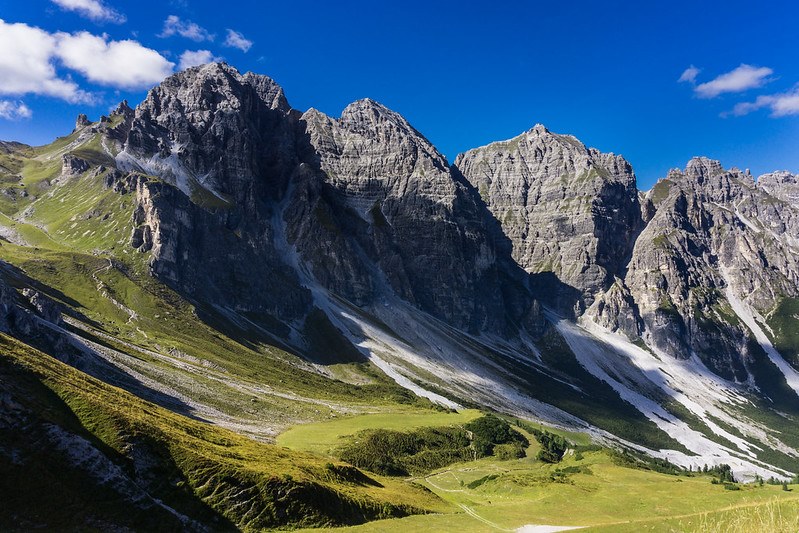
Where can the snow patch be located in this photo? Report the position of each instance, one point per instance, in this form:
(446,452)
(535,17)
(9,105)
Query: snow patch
(169,168)
(631,370)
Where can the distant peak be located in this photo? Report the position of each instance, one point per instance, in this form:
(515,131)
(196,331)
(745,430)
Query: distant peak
(370,110)
(123,109)
(780,176)
(218,66)
(365,104)
(222,79)
(539,129)
(314,114)
(703,167)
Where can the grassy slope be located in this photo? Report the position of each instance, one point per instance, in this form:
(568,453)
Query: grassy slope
(784,323)
(324,437)
(77,231)
(211,471)
(584,490)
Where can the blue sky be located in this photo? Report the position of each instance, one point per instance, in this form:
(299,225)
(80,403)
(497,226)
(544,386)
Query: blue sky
(464,73)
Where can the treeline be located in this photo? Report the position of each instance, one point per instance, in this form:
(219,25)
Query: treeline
(403,453)
(635,459)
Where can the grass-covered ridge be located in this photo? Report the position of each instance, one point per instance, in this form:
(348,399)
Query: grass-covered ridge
(197,470)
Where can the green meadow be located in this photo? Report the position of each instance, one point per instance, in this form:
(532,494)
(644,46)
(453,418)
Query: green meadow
(588,489)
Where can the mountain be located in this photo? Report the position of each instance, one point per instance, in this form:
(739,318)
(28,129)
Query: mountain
(683,266)
(569,211)
(215,255)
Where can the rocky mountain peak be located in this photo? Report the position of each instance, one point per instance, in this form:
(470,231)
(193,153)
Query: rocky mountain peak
(209,129)
(701,168)
(570,211)
(374,120)
(123,110)
(779,177)
(369,115)
(782,184)
(218,85)
(538,129)
(400,155)
(81,122)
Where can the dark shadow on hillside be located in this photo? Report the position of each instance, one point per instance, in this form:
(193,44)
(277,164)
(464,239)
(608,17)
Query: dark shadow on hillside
(555,294)
(44,488)
(20,280)
(324,344)
(56,340)
(545,287)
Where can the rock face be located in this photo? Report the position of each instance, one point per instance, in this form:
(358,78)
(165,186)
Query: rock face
(44,306)
(666,266)
(570,211)
(81,121)
(255,201)
(257,208)
(714,230)
(19,321)
(73,166)
(782,185)
(223,144)
(422,230)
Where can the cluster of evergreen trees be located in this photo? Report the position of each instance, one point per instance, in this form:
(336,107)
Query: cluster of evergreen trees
(402,453)
(553,447)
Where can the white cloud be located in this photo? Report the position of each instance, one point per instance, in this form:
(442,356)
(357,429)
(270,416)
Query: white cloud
(781,105)
(191,58)
(235,39)
(689,75)
(31,56)
(14,110)
(738,80)
(124,64)
(27,67)
(92,9)
(173,25)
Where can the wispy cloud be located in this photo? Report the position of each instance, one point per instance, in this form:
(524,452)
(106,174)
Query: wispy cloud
(173,25)
(781,104)
(193,58)
(740,79)
(14,110)
(95,10)
(689,75)
(235,39)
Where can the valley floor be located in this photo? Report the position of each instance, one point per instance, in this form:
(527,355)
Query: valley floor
(589,490)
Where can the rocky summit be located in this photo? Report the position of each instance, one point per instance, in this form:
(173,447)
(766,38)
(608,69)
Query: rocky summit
(570,211)
(257,191)
(215,255)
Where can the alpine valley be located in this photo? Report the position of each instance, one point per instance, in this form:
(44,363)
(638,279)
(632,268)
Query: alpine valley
(219,313)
